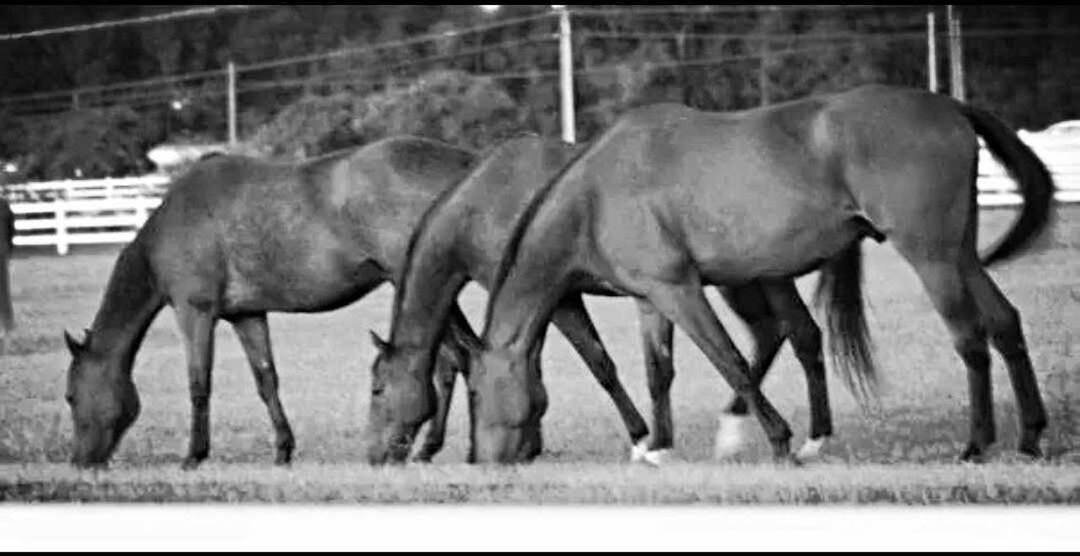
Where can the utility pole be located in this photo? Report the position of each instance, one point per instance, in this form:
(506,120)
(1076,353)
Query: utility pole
(566,76)
(931,50)
(956,55)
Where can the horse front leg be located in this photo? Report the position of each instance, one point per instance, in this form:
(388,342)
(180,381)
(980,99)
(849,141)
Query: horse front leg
(197,328)
(574,322)
(254,335)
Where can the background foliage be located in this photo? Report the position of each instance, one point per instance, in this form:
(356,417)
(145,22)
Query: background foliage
(479,76)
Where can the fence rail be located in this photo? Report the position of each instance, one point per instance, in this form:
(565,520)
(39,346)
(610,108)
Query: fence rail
(81,212)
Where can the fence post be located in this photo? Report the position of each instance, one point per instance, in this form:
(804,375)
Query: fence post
(931,50)
(142,212)
(232,104)
(61,227)
(566,76)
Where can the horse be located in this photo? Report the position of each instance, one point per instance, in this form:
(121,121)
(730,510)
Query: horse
(7,244)
(235,238)
(460,238)
(669,199)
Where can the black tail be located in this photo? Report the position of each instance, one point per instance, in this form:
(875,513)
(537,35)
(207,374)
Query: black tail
(1036,185)
(839,290)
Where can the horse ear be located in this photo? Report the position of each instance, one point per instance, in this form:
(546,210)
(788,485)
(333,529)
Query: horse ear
(73,345)
(380,344)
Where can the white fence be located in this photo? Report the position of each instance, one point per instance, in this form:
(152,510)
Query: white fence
(68,213)
(1062,157)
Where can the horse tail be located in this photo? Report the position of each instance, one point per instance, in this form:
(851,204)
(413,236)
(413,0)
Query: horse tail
(839,291)
(1036,184)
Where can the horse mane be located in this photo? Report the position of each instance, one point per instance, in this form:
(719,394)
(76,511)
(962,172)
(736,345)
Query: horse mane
(414,241)
(517,234)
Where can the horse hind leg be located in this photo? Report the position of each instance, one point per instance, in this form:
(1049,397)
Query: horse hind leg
(751,305)
(805,335)
(254,335)
(946,284)
(774,311)
(1002,320)
(656,335)
(197,328)
(685,304)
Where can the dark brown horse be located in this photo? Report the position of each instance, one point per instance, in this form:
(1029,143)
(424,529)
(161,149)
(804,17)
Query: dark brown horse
(234,239)
(7,239)
(461,237)
(670,199)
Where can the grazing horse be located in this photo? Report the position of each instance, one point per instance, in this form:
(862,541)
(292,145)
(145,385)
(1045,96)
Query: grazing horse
(461,237)
(234,239)
(670,199)
(7,238)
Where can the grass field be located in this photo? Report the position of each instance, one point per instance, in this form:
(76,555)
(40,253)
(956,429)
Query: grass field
(902,453)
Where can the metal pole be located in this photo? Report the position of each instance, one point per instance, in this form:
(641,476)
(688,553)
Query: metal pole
(961,92)
(232,104)
(566,76)
(763,73)
(956,64)
(931,56)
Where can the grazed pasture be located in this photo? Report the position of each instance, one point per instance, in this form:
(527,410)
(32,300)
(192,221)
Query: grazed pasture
(902,452)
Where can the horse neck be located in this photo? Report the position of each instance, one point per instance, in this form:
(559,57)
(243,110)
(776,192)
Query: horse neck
(535,273)
(132,300)
(432,278)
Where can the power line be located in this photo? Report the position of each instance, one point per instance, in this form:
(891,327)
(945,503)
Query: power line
(390,44)
(66,94)
(712,9)
(62,100)
(194,12)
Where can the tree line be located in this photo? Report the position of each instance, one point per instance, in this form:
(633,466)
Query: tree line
(475,87)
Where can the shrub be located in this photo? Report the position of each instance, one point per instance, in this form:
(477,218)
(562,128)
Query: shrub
(451,106)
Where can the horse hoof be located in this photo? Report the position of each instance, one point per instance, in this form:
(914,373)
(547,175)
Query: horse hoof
(638,451)
(811,450)
(422,459)
(788,460)
(1033,453)
(190,464)
(730,436)
(658,458)
(973,455)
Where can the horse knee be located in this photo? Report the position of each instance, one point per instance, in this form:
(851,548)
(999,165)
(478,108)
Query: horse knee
(974,351)
(1007,333)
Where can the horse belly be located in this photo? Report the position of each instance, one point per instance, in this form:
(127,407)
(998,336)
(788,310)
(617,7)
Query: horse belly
(320,283)
(798,246)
